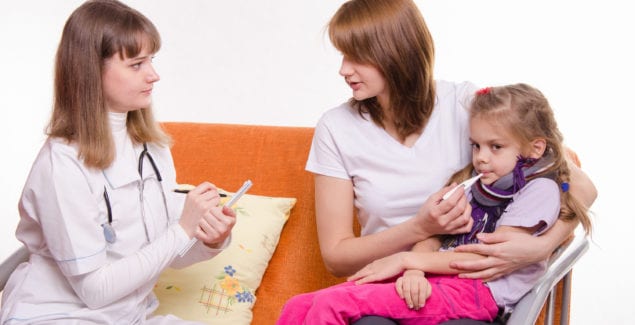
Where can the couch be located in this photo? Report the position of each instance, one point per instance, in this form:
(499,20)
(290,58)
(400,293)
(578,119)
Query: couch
(273,157)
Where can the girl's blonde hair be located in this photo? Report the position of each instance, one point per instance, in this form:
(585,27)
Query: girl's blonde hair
(94,32)
(526,114)
(392,36)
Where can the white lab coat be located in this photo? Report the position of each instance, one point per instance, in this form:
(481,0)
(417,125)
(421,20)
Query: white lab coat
(73,274)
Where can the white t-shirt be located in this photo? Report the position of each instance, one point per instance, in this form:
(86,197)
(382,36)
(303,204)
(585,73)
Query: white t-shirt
(392,181)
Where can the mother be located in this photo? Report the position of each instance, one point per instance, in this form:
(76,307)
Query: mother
(385,153)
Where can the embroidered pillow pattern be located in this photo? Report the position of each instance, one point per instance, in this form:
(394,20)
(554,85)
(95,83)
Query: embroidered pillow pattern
(223,290)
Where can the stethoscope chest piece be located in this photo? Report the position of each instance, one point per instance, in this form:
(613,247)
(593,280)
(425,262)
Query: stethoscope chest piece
(109,233)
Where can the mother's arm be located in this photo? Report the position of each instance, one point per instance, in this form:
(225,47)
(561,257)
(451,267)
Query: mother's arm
(508,252)
(344,253)
(433,261)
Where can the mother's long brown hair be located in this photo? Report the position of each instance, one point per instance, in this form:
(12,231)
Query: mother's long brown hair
(392,36)
(94,32)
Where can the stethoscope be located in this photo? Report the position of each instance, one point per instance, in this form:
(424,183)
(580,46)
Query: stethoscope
(109,232)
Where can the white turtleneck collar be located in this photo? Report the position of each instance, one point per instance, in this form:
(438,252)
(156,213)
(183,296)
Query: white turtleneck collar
(117,121)
(124,168)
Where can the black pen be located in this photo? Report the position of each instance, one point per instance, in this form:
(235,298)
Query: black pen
(186,188)
(188,191)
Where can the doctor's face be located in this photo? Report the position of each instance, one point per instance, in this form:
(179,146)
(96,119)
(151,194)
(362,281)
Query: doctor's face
(127,83)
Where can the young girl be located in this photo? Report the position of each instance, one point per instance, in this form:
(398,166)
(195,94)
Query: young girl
(98,212)
(517,147)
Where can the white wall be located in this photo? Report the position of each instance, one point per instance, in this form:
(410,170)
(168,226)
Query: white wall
(268,62)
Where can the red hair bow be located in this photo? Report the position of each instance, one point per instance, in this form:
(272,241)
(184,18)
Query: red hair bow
(483,91)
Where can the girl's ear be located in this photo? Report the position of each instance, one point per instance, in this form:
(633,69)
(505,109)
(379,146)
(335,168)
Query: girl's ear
(537,148)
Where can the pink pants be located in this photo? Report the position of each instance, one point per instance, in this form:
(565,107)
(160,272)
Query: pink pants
(451,298)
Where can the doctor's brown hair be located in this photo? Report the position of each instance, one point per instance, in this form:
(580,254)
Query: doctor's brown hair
(392,36)
(94,32)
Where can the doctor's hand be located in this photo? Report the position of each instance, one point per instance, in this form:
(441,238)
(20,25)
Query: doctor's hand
(198,203)
(216,226)
(449,216)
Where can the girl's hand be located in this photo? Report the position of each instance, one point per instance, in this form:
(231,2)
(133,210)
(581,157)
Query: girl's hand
(506,252)
(216,226)
(414,288)
(198,203)
(380,269)
(451,216)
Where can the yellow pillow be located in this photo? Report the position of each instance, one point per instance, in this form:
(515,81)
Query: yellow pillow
(222,290)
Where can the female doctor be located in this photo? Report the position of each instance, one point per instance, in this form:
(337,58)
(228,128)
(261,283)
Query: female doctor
(98,212)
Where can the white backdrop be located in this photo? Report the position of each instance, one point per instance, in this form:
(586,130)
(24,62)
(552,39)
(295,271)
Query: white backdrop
(269,62)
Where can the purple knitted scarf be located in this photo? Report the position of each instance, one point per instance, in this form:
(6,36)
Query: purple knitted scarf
(489,201)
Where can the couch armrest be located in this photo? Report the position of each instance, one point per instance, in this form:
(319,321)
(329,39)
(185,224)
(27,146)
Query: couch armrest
(9,264)
(528,308)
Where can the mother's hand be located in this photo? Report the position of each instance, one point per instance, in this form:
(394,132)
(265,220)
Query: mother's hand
(380,269)
(449,216)
(506,252)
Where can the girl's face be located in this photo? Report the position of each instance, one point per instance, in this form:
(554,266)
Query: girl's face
(494,150)
(127,83)
(365,80)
